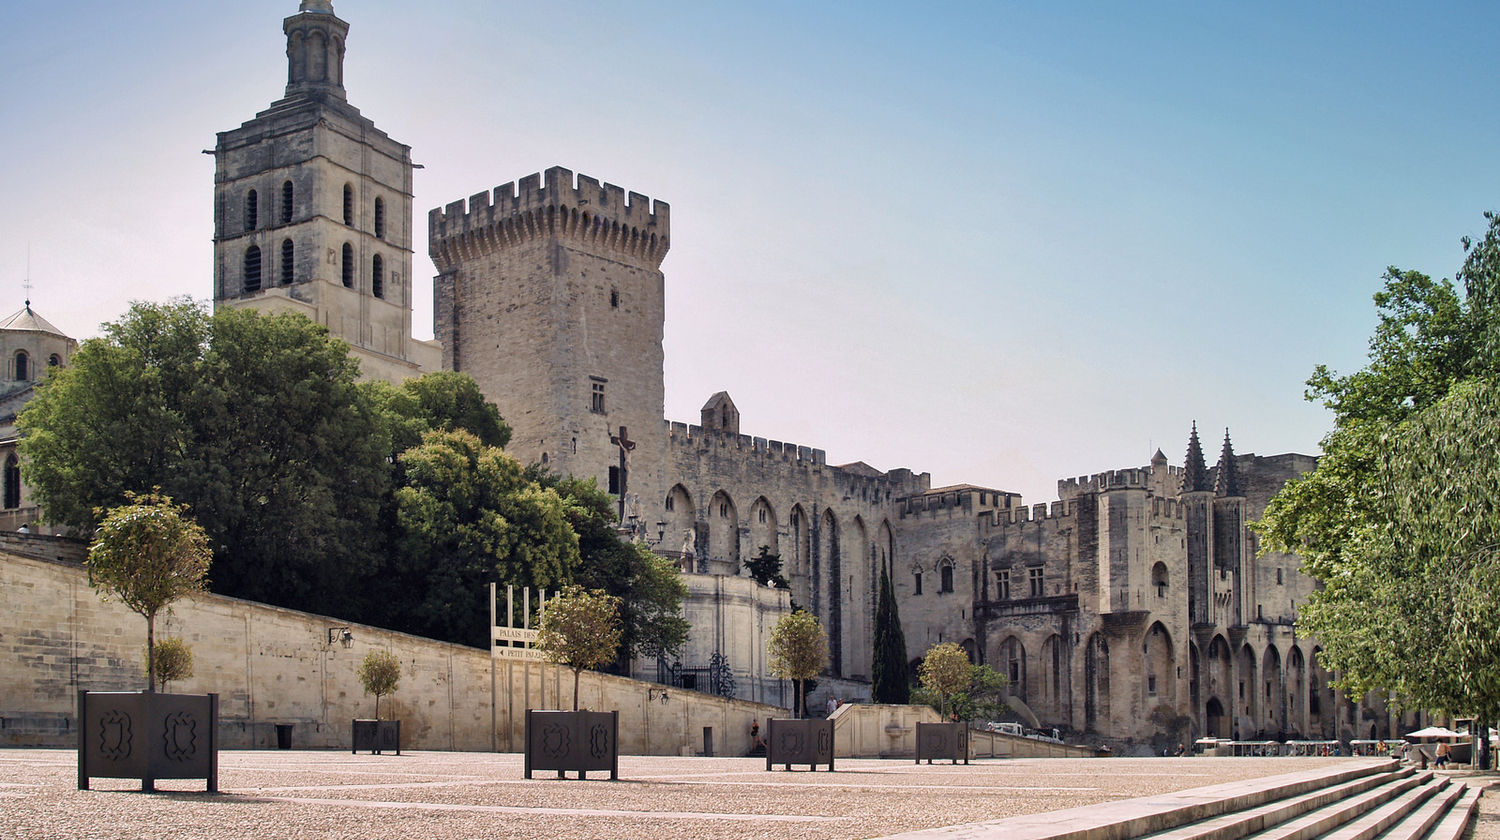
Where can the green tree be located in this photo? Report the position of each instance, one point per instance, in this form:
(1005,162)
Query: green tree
(380,673)
(580,629)
(1388,599)
(148,553)
(440,401)
(765,568)
(797,651)
(174,661)
(468,516)
(945,671)
(889,683)
(255,422)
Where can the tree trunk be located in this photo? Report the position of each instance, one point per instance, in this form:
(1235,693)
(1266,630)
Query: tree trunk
(576,673)
(377,707)
(151,653)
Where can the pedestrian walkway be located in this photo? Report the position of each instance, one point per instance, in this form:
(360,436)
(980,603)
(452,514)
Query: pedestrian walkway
(300,794)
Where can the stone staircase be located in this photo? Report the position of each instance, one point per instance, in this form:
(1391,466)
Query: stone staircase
(1364,801)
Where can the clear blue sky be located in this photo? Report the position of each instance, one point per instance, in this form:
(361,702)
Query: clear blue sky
(1001,242)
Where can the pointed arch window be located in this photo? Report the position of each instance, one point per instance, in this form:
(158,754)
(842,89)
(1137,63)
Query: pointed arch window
(252,210)
(945,576)
(377,276)
(379,217)
(12,498)
(347,268)
(287,194)
(349,205)
(252,269)
(23,366)
(54,360)
(288,258)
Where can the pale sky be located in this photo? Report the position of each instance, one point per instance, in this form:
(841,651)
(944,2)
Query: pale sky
(1005,243)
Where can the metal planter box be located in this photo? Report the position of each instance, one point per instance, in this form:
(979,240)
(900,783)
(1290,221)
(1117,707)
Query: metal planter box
(791,742)
(376,735)
(148,736)
(580,741)
(943,741)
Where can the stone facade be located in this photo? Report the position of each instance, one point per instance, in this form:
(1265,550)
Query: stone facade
(31,347)
(1133,607)
(312,209)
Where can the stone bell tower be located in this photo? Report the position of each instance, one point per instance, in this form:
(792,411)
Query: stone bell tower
(312,209)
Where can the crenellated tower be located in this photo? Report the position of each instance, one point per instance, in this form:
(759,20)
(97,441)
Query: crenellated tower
(550,294)
(312,209)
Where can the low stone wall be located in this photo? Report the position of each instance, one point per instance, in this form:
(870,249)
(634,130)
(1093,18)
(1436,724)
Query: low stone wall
(863,730)
(274,666)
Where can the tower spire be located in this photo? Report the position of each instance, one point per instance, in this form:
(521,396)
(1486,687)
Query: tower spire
(315,52)
(1226,481)
(1194,470)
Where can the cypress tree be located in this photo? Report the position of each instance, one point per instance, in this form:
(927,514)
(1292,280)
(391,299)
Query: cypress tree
(888,680)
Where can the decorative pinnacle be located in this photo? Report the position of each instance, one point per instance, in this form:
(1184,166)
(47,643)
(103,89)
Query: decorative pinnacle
(323,7)
(1226,482)
(1194,470)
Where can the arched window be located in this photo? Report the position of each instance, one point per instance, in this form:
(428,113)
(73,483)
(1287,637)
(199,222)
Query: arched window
(349,205)
(288,254)
(252,269)
(286,202)
(379,217)
(348,266)
(945,572)
(1159,579)
(252,210)
(54,360)
(377,276)
(12,498)
(23,366)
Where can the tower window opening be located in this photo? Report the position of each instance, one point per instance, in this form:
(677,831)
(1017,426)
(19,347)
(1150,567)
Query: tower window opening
(596,398)
(23,366)
(348,266)
(286,202)
(379,217)
(614,298)
(945,577)
(252,269)
(377,276)
(252,210)
(1002,585)
(917,583)
(614,481)
(349,205)
(288,255)
(1035,577)
(54,360)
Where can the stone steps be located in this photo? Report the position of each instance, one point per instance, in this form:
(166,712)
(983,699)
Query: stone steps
(1373,800)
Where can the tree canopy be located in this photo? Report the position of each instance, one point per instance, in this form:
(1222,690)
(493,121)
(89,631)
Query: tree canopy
(147,554)
(797,651)
(945,671)
(580,629)
(1398,523)
(379,674)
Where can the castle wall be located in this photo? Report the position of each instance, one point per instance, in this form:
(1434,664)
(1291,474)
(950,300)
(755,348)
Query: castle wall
(275,666)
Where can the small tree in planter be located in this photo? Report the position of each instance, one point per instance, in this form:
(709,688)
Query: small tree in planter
(147,554)
(945,672)
(174,661)
(798,651)
(380,673)
(580,629)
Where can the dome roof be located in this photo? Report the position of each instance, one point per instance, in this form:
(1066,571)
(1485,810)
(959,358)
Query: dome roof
(29,321)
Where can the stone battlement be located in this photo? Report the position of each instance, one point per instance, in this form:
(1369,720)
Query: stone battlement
(1022,514)
(683,434)
(554,202)
(1137,478)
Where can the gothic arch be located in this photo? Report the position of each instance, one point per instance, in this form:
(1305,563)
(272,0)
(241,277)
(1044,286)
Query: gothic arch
(1160,580)
(1096,683)
(1010,660)
(763,530)
(1218,691)
(885,548)
(799,529)
(828,590)
(1273,691)
(723,520)
(1161,667)
(681,536)
(1296,691)
(1052,687)
(859,599)
(946,573)
(1247,705)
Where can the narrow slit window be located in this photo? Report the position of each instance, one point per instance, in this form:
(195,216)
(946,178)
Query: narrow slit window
(288,257)
(287,194)
(23,366)
(252,210)
(377,276)
(349,205)
(348,266)
(379,217)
